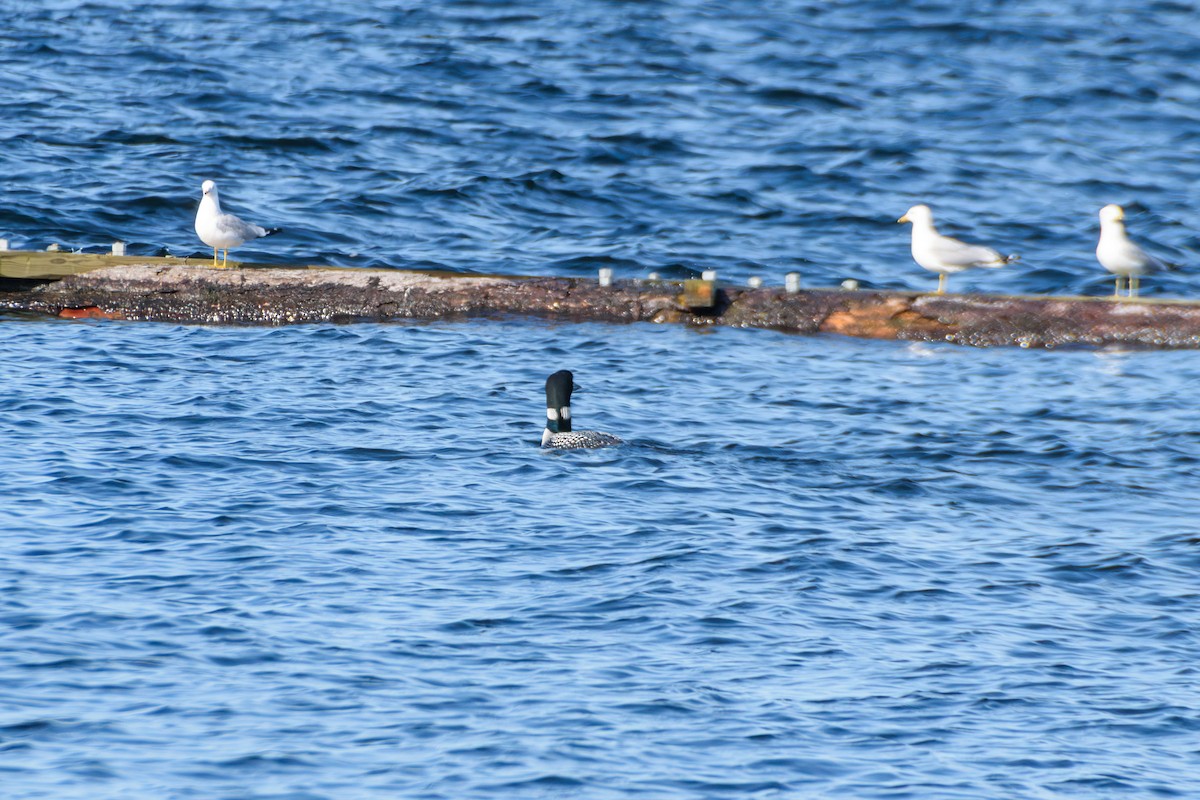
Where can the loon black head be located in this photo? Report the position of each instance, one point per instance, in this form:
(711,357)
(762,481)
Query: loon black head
(558,403)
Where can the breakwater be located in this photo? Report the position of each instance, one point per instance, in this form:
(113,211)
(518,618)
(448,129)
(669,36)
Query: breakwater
(192,292)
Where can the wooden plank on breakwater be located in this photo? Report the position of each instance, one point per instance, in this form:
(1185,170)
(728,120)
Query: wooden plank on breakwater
(52,265)
(191,291)
(58,264)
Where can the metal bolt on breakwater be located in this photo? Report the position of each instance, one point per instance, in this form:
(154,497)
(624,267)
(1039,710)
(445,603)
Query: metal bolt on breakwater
(190,291)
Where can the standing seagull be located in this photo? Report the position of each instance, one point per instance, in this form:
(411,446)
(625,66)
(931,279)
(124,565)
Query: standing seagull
(219,230)
(1118,254)
(944,255)
(558,433)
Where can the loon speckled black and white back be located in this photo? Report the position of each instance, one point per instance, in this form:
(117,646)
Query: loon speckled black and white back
(558,433)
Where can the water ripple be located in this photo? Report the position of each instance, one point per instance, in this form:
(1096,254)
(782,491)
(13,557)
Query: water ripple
(246,570)
(331,561)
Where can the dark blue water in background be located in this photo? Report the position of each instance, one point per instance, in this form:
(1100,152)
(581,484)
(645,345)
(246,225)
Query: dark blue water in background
(554,137)
(331,562)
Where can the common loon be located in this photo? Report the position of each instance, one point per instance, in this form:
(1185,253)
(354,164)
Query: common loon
(1119,254)
(943,254)
(218,230)
(558,433)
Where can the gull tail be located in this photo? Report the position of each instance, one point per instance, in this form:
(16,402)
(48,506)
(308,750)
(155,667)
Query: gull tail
(998,260)
(273,231)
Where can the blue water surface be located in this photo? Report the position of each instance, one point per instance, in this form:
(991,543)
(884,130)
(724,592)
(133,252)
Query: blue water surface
(332,562)
(556,136)
(329,562)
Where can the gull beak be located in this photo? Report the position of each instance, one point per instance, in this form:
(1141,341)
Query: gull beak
(904,219)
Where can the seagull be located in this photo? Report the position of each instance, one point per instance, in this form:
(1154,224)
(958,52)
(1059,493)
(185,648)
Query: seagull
(944,255)
(1118,254)
(219,230)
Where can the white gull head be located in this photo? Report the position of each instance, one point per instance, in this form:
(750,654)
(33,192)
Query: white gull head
(918,215)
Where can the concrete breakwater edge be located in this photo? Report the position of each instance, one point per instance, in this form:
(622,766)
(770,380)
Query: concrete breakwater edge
(190,291)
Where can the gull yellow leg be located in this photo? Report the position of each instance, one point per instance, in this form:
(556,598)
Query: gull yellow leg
(214,256)
(1134,282)
(941,283)
(1117,287)
(225,261)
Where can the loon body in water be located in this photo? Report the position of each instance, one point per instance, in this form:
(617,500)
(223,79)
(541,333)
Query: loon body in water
(558,433)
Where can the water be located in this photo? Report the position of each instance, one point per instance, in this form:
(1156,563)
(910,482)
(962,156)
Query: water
(331,562)
(557,136)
